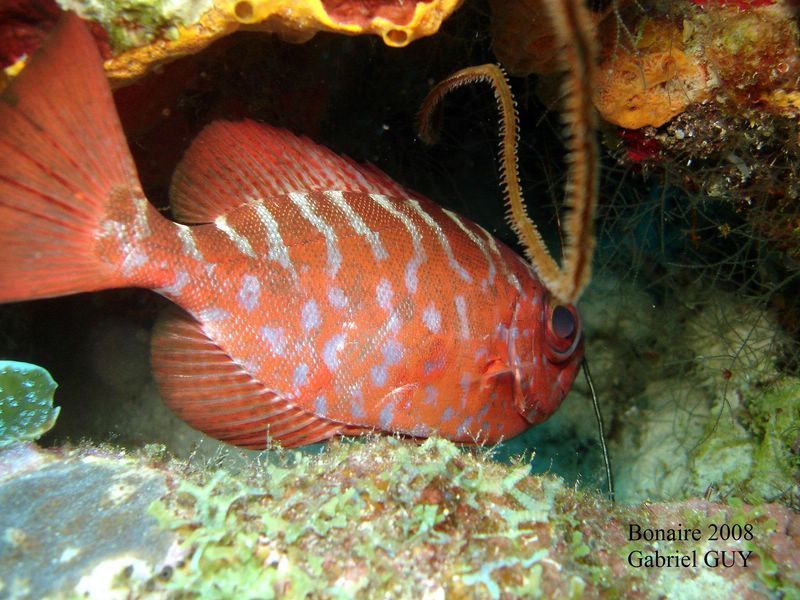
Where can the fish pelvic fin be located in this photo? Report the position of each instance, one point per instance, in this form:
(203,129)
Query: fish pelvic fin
(66,175)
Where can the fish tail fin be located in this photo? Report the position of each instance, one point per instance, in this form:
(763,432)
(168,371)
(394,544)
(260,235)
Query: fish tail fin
(66,175)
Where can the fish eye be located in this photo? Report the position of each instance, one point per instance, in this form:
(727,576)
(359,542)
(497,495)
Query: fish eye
(562,322)
(563,333)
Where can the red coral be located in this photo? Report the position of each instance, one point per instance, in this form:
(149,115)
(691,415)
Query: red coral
(638,147)
(362,12)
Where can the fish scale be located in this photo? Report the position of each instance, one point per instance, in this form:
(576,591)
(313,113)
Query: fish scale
(314,296)
(362,329)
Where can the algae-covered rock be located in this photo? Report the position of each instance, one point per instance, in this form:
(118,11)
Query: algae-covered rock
(694,392)
(131,23)
(26,402)
(384,518)
(752,453)
(73,524)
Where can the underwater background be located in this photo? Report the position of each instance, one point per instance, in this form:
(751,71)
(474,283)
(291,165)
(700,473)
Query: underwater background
(691,322)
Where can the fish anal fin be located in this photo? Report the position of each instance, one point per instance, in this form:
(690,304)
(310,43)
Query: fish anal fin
(230,163)
(206,388)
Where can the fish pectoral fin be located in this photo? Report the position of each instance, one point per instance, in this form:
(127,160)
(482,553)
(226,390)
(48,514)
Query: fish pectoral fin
(400,395)
(206,388)
(495,369)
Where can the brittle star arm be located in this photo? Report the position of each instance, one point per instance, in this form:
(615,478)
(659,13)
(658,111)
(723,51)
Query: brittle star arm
(573,28)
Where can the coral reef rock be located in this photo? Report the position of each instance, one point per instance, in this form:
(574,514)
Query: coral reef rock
(147,34)
(381,517)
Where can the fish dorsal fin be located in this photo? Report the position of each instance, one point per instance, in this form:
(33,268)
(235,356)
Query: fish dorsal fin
(230,163)
(212,393)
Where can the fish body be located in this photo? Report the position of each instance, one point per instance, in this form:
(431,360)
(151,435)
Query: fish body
(316,296)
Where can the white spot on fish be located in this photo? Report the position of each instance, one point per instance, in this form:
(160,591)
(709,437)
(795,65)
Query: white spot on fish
(432,318)
(429,366)
(337,297)
(430,394)
(443,241)
(238,239)
(466,379)
(249,292)
(309,316)
(461,309)
(387,416)
(501,331)
(276,340)
(357,404)
(421,430)
(393,323)
(416,240)
(378,374)
(141,227)
(358,225)
(321,406)
(510,277)
(392,352)
(176,287)
(133,260)
(463,428)
(186,237)
(477,241)
(278,251)
(213,314)
(384,294)
(411,275)
(447,414)
(305,204)
(300,375)
(331,349)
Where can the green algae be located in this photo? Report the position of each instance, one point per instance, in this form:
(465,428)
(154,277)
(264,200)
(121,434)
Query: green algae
(390,518)
(752,453)
(26,402)
(384,517)
(132,23)
(378,518)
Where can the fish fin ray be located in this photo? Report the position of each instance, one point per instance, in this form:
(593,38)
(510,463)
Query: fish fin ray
(63,162)
(227,402)
(231,162)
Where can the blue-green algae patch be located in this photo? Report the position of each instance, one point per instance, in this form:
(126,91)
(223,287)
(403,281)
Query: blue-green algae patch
(26,402)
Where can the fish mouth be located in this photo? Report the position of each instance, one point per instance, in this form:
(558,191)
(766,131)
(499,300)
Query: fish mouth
(539,411)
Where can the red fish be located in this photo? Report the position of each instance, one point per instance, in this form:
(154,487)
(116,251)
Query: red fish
(316,296)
